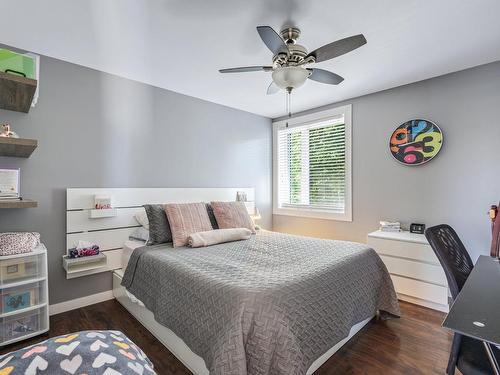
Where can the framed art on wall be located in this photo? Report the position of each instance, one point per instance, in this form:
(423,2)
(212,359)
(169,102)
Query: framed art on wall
(416,142)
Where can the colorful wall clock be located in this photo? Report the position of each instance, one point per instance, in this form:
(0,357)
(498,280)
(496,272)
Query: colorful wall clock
(416,142)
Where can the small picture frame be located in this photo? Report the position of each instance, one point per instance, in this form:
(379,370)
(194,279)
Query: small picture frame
(103,202)
(241,196)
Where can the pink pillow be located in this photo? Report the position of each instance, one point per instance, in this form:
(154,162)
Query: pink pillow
(232,215)
(186,219)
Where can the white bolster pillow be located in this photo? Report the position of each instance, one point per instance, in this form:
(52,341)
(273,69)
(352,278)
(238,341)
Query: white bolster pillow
(214,237)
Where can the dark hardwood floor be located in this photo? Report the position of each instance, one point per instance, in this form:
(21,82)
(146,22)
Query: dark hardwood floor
(413,344)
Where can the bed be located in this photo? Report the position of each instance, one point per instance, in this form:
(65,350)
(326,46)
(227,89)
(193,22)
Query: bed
(317,294)
(276,303)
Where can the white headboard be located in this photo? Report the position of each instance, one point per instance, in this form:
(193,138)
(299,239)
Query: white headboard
(110,233)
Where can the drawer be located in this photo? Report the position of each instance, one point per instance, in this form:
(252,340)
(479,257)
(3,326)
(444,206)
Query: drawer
(29,323)
(414,288)
(17,269)
(410,250)
(417,270)
(21,297)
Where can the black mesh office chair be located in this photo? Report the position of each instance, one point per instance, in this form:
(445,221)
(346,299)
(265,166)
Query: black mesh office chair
(467,354)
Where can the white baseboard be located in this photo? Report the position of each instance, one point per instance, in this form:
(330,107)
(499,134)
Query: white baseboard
(80,302)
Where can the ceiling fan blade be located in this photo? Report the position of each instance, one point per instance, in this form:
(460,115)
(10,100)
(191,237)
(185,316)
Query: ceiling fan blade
(272,40)
(338,48)
(324,76)
(272,89)
(247,69)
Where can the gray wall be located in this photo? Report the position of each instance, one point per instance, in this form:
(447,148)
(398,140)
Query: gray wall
(457,187)
(98,130)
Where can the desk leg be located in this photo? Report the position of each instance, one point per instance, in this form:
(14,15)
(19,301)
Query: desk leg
(491,357)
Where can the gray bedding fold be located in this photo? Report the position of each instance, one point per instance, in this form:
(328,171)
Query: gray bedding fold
(271,304)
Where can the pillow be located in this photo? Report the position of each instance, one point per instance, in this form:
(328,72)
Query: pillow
(140,234)
(187,218)
(232,215)
(217,236)
(159,229)
(142,218)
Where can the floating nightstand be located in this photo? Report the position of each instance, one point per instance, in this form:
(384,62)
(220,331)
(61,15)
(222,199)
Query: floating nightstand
(77,267)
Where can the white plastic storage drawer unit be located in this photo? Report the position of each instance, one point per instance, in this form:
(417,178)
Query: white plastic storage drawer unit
(23,295)
(415,271)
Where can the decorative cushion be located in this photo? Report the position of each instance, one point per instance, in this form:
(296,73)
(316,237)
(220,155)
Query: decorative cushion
(140,234)
(217,236)
(142,218)
(187,218)
(86,352)
(159,228)
(18,242)
(232,215)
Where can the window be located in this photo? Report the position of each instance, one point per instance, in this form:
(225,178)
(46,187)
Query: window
(312,165)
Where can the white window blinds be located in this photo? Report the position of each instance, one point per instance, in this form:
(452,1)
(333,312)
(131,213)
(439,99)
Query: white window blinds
(312,166)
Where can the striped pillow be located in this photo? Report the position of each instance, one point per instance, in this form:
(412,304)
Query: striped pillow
(232,215)
(186,219)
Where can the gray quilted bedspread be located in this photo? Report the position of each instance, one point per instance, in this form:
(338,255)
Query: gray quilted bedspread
(272,304)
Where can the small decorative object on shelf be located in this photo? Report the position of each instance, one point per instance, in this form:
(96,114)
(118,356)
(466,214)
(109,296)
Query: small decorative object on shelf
(7,132)
(241,196)
(417,228)
(102,202)
(390,226)
(103,207)
(23,295)
(83,249)
(9,184)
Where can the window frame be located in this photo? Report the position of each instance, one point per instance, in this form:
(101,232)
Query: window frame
(308,119)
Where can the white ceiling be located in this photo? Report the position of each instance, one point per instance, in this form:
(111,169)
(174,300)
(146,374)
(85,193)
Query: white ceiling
(180,44)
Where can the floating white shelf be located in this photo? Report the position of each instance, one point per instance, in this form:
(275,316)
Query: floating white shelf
(102,213)
(77,267)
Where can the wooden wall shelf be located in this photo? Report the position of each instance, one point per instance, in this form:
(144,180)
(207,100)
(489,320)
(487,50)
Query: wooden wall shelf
(16,92)
(17,147)
(11,203)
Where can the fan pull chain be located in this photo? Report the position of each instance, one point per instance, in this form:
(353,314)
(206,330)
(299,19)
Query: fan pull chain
(288,105)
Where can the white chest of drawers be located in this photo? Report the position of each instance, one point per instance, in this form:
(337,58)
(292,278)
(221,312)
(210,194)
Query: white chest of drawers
(415,271)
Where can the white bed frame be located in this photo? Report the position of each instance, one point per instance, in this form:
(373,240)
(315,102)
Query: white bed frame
(112,232)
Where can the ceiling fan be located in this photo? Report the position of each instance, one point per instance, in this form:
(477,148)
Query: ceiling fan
(290,59)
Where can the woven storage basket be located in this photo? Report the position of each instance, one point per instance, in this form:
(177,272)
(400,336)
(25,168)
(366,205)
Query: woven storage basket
(18,242)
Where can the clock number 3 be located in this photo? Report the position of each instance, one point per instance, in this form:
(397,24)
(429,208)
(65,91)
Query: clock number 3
(431,143)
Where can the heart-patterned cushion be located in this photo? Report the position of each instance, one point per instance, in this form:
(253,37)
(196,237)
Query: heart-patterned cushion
(86,352)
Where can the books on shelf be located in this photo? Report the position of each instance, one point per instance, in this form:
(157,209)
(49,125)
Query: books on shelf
(390,226)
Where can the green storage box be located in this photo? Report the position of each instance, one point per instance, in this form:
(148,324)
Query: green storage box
(11,61)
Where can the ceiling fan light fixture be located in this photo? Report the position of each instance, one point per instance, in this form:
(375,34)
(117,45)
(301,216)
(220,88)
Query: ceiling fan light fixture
(290,77)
